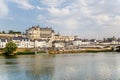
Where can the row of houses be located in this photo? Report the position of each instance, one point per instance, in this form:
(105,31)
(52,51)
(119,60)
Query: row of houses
(28,43)
(23,42)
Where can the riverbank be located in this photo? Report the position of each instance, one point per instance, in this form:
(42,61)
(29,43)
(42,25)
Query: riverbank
(80,51)
(87,50)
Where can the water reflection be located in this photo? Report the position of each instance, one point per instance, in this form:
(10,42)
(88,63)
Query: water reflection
(41,69)
(61,67)
(27,68)
(10,60)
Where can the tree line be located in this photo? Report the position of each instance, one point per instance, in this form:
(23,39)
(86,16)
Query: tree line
(10,32)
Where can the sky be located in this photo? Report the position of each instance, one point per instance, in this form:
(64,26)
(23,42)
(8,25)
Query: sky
(84,18)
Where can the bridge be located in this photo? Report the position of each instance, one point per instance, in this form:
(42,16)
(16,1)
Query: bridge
(115,47)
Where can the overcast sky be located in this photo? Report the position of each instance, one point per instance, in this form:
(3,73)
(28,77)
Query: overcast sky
(85,18)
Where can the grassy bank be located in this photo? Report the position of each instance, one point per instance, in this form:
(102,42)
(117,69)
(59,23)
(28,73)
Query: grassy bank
(80,51)
(29,52)
(24,53)
(32,51)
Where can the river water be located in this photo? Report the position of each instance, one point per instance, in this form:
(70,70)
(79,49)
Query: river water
(85,66)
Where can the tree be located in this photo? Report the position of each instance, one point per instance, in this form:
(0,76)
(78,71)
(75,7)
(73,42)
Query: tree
(3,32)
(14,32)
(10,48)
(11,32)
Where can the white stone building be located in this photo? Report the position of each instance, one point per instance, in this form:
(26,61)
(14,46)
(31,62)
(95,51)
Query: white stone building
(59,44)
(62,38)
(77,42)
(3,42)
(42,44)
(23,42)
(36,32)
(80,42)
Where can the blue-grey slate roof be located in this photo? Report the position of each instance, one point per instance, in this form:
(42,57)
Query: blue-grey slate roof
(3,40)
(20,38)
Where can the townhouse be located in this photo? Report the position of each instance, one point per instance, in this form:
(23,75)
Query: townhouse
(3,42)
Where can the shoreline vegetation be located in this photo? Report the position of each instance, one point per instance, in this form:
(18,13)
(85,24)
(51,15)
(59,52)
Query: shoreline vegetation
(80,51)
(74,51)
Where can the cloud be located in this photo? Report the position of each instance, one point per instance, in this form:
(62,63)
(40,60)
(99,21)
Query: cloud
(3,9)
(83,16)
(39,8)
(53,3)
(23,4)
(58,12)
(41,17)
(59,16)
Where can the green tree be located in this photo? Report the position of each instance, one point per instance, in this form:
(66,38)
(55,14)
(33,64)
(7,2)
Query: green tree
(14,32)
(11,32)
(10,48)
(3,32)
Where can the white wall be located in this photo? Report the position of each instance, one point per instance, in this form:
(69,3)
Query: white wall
(2,44)
(59,45)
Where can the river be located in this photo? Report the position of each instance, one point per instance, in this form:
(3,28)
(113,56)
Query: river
(85,66)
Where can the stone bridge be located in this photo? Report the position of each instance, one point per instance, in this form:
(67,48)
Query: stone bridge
(115,47)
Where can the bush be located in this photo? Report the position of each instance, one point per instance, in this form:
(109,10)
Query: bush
(10,48)
(25,53)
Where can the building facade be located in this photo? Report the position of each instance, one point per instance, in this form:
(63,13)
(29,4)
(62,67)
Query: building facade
(36,32)
(62,38)
(23,42)
(3,42)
